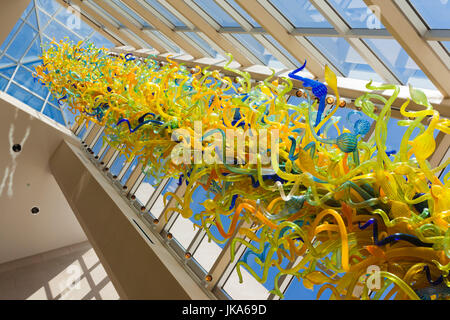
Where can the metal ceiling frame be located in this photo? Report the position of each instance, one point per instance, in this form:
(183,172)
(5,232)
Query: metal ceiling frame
(404,30)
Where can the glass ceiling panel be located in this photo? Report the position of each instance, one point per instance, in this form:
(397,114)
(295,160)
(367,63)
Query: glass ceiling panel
(217,13)
(258,50)
(243,13)
(166,41)
(345,58)
(166,13)
(447,45)
(396,59)
(20,53)
(436,13)
(105,14)
(356,14)
(301,13)
(204,45)
(131,13)
(276,44)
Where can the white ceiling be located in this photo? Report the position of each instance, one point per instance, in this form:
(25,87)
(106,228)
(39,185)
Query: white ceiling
(26,182)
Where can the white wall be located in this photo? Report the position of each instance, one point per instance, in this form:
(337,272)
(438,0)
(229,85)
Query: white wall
(26,182)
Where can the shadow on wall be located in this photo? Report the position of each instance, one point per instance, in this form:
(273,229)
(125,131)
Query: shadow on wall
(70,273)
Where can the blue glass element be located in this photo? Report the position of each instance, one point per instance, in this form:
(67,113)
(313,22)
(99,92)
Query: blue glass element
(434,12)
(258,50)
(357,14)
(345,58)
(217,13)
(396,59)
(25,97)
(50,6)
(243,13)
(447,46)
(21,42)
(166,13)
(5,62)
(204,45)
(301,13)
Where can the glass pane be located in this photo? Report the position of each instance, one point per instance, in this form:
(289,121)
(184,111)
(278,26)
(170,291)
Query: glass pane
(21,42)
(301,13)
(258,50)
(43,18)
(434,12)
(166,41)
(204,45)
(100,41)
(118,164)
(27,10)
(25,97)
(158,206)
(146,189)
(129,170)
(296,291)
(217,13)
(10,35)
(131,13)
(447,45)
(183,231)
(99,144)
(24,77)
(243,13)
(249,289)
(357,14)
(207,253)
(54,114)
(396,58)
(70,117)
(345,58)
(50,6)
(276,44)
(32,19)
(57,31)
(166,13)
(73,23)
(5,62)
(3,83)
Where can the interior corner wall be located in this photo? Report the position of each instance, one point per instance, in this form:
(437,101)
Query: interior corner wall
(26,182)
(10,12)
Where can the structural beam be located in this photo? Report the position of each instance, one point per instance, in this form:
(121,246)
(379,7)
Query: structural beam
(401,28)
(140,33)
(203,26)
(281,34)
(163,28)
